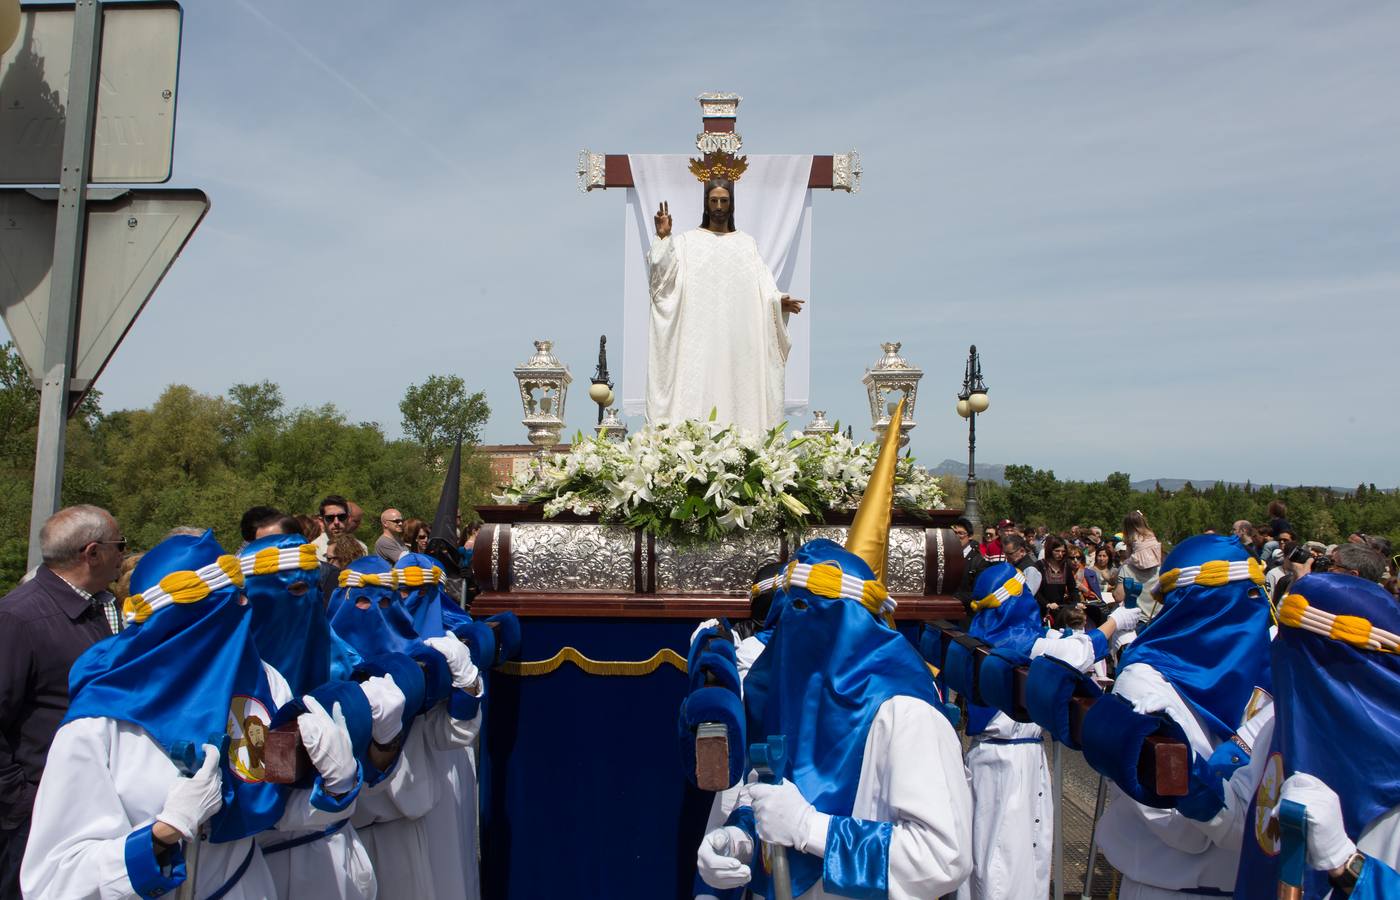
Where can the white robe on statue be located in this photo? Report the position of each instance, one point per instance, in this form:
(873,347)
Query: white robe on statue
(719,336)
(105,779)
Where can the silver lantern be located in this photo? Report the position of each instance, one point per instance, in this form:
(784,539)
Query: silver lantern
(612,429)
(819,425)
(544,386)
(885,382)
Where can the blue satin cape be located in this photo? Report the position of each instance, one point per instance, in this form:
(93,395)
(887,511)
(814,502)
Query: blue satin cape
(1336,718)
(1014,626)
(185,674)
(1210,643)
(827,668)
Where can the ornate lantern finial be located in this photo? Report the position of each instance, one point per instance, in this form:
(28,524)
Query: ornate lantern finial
(890,377)
(544,386)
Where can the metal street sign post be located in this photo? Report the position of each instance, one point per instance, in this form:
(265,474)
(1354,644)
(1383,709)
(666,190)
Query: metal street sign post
(69,302)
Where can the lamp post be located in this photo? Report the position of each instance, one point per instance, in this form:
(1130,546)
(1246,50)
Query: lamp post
(544,386)
(972,399)
(891,376)
(600,392)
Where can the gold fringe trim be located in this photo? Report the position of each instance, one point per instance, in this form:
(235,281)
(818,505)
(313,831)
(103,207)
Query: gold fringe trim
(664,656)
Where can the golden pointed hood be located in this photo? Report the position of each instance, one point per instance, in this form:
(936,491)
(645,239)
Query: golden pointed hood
(869,537)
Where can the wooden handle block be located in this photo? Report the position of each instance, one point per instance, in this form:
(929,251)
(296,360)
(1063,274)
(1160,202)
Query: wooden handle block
(1165,766)
(284,758)
(711,757)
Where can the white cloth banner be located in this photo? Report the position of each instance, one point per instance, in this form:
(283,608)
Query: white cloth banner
(771,203)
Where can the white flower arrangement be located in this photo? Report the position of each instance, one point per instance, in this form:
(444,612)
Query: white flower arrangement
(697,480)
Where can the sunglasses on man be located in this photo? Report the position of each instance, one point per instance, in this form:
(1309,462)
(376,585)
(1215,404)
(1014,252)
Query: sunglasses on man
(335,517)
(120,544)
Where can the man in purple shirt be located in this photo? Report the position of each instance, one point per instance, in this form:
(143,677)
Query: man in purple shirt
(45,624)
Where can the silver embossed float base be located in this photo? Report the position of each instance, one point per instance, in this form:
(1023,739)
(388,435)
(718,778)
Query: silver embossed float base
(575,558)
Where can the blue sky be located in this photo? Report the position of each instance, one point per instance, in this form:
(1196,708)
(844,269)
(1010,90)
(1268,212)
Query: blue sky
(1172,229)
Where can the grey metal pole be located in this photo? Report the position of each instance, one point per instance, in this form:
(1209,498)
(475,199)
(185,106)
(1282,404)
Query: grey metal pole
(970,504)
(65,290)
(1057,754)
(1094,838)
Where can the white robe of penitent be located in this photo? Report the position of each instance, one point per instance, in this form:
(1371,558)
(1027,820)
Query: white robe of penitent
(392,817)
(1013,799)
(105,779)
(1162,853)
(719,336)
(911,774)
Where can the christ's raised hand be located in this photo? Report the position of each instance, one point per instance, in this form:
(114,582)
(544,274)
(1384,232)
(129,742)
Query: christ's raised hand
(663,220)
(792,305)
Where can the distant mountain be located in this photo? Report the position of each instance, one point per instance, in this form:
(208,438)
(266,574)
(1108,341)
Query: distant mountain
(958,469)
(997,472)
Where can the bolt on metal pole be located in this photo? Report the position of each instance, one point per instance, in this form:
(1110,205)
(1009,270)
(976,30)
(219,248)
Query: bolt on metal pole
(70,233)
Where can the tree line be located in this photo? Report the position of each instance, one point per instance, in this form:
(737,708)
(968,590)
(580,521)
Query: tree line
(196,459)
(1036,497)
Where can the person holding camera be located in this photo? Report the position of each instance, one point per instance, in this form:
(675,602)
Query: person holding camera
(1298,561)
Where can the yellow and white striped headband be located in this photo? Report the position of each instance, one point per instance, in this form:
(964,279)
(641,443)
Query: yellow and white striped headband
(1013,587)
(417,576)
(1296,612)
(183,587)
(349,578)
(271,560)
(771,583)
(827,580)
(1214,573)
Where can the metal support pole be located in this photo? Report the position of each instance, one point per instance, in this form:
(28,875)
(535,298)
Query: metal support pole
(970,504)
(65,291)
(1094,838)
(1057,755)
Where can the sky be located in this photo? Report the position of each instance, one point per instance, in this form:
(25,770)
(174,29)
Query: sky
(1172,230)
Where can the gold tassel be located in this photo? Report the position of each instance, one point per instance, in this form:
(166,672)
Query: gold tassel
(869,537)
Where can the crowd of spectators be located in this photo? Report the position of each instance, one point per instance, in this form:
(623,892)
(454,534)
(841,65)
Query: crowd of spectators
(1081,570)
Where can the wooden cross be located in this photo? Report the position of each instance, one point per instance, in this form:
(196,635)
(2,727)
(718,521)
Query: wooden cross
(718,112)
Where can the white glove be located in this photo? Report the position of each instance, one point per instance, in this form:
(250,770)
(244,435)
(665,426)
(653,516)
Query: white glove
(327,742)
(386,703)
(193,801)
(459,660)
(1328,845)
(783,816)
(723,858)
(1125,619)
(708,623)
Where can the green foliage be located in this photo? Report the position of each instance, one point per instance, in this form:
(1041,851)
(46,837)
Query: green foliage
(1037,497)
(195,459)
(440,410)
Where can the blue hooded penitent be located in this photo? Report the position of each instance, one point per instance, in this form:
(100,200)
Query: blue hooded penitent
(289,621)
(1335,714)
(421,578)
(1210,639)
(828,667)
(186,669)
(383,626)
(1006,616)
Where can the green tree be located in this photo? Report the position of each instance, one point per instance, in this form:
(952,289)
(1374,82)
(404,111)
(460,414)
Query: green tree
(440,410)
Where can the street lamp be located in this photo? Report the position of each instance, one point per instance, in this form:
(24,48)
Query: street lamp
(600,392)
(972,399)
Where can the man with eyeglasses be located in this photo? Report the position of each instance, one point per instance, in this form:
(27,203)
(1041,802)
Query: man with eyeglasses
(390,544)
(45,624)
(976,562)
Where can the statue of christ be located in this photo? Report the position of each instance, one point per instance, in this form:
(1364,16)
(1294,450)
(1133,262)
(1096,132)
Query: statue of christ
(718,322)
